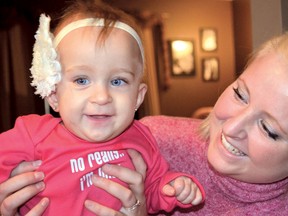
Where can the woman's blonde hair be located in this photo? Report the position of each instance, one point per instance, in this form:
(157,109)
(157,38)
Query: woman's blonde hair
(277,45)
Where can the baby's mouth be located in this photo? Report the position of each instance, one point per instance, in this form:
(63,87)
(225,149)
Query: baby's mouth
(231,148)
(99,116)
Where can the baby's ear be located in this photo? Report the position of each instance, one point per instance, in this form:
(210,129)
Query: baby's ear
(53,101)
(141,94)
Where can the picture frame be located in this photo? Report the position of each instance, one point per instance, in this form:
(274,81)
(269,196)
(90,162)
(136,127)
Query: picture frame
(182,57)
(209,40)
(210,69)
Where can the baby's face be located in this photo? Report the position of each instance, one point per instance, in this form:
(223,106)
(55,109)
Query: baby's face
(101,83)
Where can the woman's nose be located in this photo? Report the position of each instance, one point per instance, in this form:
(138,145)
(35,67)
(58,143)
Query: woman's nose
(100,95)
(238,125)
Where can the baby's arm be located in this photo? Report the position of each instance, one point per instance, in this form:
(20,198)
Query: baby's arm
(185,190)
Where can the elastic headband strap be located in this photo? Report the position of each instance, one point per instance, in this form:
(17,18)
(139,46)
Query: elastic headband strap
(97,23)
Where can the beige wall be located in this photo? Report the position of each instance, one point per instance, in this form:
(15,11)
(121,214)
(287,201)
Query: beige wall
(266,20)
(188,94)
(184,19)
(284,12)
(255,21)
(242,33)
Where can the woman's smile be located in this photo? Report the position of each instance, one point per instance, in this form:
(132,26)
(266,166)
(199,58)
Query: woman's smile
(230,148)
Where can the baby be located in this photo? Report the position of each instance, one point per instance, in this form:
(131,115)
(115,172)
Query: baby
(91,73)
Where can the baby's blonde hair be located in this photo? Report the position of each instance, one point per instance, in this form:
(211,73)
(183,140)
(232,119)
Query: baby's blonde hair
(81,9)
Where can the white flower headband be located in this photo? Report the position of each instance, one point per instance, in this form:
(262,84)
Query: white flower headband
(46,69)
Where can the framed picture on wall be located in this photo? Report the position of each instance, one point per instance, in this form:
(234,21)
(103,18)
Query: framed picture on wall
(182,57)
(208,37)
(210,69)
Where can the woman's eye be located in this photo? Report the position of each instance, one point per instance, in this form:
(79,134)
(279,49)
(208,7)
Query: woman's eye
(118,82)
(239,95)
(271,134)
(82,81)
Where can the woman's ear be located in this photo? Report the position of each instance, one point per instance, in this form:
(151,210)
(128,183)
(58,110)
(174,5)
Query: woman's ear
(141,95)
(53,101)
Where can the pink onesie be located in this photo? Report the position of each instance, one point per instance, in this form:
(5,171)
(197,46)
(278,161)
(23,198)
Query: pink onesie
(69,162)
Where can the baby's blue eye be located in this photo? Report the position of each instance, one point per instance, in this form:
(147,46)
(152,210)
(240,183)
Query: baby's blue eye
(82,81)
(117,82)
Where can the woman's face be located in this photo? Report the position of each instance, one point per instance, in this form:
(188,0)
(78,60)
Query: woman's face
(249,124)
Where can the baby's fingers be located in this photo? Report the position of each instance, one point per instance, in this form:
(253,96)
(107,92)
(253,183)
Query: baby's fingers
(191,195)
(168,190)
(198,199)
(186,190)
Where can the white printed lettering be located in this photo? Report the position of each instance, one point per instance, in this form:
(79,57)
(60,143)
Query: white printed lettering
(77,165)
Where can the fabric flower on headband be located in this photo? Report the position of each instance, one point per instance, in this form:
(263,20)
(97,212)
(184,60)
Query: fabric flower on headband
(46,69)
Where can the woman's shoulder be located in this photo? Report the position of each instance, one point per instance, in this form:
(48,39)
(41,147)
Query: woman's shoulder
(169,128)
(168,122)
(178,140)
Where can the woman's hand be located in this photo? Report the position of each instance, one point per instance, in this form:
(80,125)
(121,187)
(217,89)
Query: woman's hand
(23,184)
(128,196)
(26,183)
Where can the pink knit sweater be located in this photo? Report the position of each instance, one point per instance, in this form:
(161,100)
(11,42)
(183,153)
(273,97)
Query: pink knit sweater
(181,146)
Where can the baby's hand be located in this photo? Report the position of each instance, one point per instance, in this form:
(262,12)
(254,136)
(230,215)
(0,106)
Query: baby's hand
(184,189)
